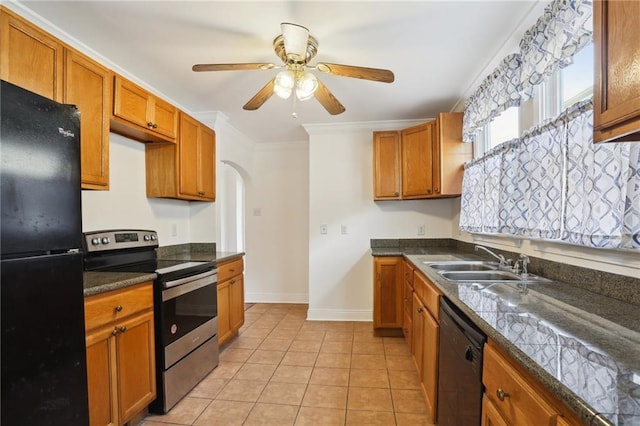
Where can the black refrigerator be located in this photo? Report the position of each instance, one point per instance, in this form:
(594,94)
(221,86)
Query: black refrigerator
(43,355)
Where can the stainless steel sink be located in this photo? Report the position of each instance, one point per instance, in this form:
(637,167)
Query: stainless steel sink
(480,275)
(462,266)
(491,276)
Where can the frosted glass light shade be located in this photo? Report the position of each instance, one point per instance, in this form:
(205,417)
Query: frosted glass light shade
(283,85)
(306,85)
(295,40)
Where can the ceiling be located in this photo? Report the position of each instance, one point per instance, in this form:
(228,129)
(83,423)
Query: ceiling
(436,50)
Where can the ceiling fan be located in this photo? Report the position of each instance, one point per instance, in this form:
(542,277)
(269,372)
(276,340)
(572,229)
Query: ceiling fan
(296,47)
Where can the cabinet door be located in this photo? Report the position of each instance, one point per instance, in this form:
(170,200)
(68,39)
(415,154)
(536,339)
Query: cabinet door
(131,102)
(417,161)
(387,294)
(188,147)
(101,372)
(236,296)
(430,362)
(616,103)
(418,335)
(386,165)
(135,364)
(88,86)
(164,117)
(224,307)
(207,163)
(29,57)
(490,414)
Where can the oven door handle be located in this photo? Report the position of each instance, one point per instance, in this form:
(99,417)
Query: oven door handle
(185,285)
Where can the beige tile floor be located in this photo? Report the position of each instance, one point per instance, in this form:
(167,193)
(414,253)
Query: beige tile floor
(284,370)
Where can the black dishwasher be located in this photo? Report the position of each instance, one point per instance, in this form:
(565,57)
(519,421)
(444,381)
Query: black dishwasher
(460,368)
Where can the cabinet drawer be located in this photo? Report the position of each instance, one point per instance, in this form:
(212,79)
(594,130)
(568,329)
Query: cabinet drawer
(104,308)
(230,269)
(516,400)
(429,294)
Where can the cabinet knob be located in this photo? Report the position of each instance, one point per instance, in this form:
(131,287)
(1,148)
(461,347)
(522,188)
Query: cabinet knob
(437,190)
(501,394)
(428,191)
(123,328)
(155,126)
(397,193)
(119,308)
(150,124)
(419,309)
(233,281)
(114,332)
(201,193)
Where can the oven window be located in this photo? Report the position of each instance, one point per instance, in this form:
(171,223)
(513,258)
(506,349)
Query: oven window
(187,312)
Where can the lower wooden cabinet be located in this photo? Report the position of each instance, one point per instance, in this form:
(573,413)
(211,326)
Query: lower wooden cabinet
(230,299)
(120,354)
(513,397)
(388,310)
(425,334)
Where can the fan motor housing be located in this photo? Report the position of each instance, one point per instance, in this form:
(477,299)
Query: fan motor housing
(278,47)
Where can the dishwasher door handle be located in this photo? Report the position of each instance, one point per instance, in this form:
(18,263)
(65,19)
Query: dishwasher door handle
(468,354)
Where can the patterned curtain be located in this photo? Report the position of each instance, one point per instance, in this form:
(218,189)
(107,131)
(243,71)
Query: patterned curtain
(472,198)
(499,91)
(554,183)
(603,187)
(541,159)
(565,27)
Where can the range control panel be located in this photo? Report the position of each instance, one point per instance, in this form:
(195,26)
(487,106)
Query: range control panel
(119,239)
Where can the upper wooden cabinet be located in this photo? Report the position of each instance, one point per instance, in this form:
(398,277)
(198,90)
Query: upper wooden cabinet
(140,115)
(616,106)
(185,170)
(88,85)
(36,61)
(386,165)
(423,161)
(29,57)
(417,161)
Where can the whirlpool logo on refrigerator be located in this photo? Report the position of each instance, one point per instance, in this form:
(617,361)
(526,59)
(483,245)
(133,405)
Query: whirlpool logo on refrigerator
(66,133)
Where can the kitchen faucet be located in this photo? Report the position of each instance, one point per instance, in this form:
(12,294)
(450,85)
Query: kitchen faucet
(525,262)
(503,261)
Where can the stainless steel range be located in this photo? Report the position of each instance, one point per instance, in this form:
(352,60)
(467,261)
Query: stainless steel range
(185,307)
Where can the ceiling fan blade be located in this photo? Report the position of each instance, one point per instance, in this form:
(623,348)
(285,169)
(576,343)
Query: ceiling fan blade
(327,100)
(232,67)
(375,74)
(261,97)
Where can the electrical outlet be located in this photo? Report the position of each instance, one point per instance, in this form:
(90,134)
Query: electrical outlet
(343,229)
(420,229)
(257,211)
(324,229)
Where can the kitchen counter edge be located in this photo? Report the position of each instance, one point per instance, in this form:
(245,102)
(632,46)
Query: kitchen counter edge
(103,282)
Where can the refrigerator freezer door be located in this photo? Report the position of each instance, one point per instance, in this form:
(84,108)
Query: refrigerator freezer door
(44,369)
(40,174)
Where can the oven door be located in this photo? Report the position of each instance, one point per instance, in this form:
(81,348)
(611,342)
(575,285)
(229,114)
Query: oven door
(189,314)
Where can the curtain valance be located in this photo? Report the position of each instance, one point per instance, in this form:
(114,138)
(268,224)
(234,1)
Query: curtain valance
(565,27)
(497,92)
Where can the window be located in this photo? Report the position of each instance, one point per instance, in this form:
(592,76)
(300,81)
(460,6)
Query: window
(503,128)
(576,80)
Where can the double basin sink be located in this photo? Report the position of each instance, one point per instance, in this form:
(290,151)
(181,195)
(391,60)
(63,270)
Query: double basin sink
(481,271)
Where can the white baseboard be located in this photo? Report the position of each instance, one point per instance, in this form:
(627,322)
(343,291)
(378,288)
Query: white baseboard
(340,315)
(276,297)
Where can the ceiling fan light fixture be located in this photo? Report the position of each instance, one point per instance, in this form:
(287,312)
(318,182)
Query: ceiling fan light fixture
(295,40)
(306,85)
(284,83)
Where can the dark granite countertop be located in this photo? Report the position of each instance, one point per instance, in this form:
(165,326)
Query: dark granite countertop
(584,347)
(101,282)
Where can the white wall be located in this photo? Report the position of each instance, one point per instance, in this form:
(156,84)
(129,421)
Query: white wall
(126,205)
(341,194)
(277,224)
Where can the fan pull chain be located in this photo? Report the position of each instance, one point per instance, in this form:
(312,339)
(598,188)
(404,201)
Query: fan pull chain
(294,114)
